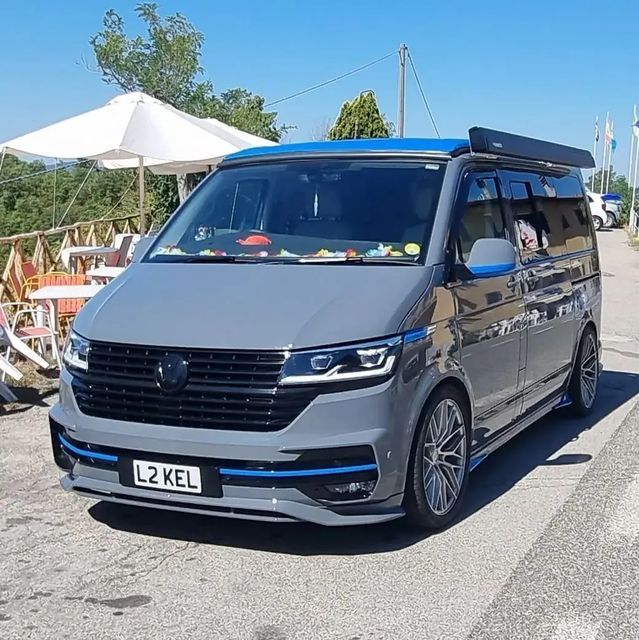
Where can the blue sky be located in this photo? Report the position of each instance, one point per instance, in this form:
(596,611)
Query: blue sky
(542,68)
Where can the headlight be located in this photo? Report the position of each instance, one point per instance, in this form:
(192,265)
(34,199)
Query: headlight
(354,362)
(76,352)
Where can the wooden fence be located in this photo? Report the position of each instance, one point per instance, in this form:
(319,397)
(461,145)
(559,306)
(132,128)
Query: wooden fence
(44,248)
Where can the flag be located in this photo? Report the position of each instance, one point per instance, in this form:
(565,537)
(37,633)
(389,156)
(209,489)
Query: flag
(597,128)
(548,188)
(635,125)
(613,144)
(608,134)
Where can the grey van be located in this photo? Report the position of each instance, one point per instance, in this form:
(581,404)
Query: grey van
(338,332)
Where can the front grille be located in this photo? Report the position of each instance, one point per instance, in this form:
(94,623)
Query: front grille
(235,390)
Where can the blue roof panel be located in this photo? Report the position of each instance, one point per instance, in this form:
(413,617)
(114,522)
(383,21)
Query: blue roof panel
(390,145)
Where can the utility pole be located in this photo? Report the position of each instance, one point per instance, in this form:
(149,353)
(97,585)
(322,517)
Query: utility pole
(401,98)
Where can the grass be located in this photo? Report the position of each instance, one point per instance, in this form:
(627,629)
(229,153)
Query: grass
(633,241)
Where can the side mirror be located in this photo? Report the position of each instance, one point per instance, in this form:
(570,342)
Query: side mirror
(141,247)
(491,257)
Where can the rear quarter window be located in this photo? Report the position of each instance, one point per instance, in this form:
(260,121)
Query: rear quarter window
(571,207)
(550,215)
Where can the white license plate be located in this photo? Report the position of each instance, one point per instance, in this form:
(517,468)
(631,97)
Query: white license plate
(171,477)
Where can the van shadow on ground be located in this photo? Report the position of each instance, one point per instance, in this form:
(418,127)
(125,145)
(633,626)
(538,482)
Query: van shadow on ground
(535,447)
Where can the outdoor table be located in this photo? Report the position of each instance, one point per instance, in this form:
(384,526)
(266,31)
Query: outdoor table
(53,293)
(105,273)
(70,255)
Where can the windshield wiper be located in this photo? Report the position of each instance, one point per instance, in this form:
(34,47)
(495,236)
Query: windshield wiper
(355,260)
(199,259)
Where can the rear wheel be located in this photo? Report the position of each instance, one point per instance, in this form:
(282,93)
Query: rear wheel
(585,374)
(597,222)
(437,476)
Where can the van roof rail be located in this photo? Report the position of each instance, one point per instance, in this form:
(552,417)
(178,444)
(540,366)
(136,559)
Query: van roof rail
(508,144)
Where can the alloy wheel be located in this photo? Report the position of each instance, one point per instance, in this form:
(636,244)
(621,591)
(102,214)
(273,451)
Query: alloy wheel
(588,371)
(444,457)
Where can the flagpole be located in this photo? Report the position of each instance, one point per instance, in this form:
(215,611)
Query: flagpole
(594,153)
(633,215)
(610,152)
(632,143)
(603,157)
(632,148)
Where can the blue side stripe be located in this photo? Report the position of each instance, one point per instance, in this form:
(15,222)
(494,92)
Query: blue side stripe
(263,473)
(475,462)
(493,269)
(565,401)
(415,334)
(85,453)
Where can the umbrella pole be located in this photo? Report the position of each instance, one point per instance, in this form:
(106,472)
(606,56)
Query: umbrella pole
(141,193)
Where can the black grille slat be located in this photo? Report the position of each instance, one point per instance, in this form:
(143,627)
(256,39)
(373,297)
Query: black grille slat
(225,390)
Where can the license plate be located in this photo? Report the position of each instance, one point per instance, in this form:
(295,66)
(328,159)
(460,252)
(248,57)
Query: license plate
(169,477)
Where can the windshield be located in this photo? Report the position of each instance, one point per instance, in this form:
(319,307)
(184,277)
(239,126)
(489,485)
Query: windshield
(307,210)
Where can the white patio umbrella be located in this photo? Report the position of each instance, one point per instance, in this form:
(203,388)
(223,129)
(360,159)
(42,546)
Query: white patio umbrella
(236,137)
(133,127)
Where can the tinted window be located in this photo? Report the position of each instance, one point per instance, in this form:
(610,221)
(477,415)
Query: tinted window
(321,208)
(571,206)
(482,217)
(538,225)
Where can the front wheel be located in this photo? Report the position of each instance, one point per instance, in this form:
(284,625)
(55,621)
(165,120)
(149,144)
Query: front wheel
(437,476)
(596,220)
(585,375)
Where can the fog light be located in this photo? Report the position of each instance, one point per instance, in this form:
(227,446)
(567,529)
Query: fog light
(352,489)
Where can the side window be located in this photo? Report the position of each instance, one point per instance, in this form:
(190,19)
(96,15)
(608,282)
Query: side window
(574,216)
(483,216)
(538,223)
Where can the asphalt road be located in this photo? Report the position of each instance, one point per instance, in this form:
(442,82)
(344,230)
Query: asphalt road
(547,548)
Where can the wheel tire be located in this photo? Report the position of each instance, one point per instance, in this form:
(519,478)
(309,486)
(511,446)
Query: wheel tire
(586,363)
(597,222)
(419,512)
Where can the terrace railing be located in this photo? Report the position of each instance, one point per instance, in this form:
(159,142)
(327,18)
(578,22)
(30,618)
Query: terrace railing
(44,248)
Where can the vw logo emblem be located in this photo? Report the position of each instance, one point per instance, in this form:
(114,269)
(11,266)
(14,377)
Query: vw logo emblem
(172,373)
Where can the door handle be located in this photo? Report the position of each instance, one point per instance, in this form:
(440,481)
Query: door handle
(513,282)
(531,276)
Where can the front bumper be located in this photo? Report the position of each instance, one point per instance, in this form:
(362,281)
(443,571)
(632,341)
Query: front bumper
(341,438)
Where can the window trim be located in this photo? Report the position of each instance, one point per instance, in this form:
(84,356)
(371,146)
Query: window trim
(467,175)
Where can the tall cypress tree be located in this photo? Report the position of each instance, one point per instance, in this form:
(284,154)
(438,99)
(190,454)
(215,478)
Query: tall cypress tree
(360,118)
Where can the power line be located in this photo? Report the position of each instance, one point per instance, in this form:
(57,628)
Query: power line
(115,206)
(39,173)
(421,90)
(323,84)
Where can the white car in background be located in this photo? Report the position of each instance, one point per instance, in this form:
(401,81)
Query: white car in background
(600,216)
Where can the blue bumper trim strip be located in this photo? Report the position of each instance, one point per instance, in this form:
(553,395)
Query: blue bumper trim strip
(85,453)
(263,473)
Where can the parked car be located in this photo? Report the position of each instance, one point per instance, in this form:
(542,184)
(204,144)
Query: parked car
(600,215)
(338,332)
(612,203)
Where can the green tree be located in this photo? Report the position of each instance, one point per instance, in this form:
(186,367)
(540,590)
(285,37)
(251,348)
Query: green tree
(33,196)
(618,184)
(165,63)
(360,118)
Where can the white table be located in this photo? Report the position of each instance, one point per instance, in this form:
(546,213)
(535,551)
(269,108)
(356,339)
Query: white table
(70,255)
(105,273)
(53,293)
